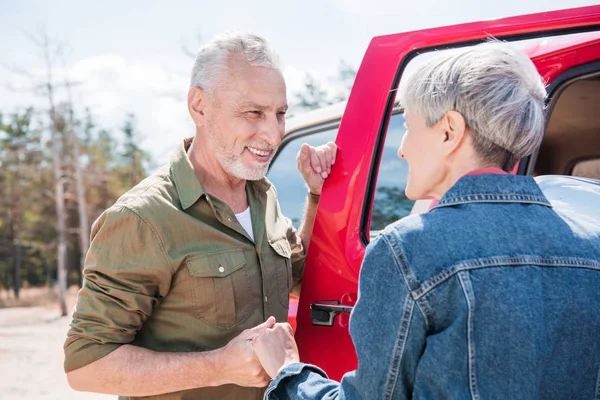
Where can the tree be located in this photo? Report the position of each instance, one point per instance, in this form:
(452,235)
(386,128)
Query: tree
(345,81)
(134,157)
(314,95)
(57,128)
(18,141)
(57,173)
(84,229)
(390,205)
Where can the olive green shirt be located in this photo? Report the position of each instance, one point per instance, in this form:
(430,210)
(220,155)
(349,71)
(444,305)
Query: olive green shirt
(171,269)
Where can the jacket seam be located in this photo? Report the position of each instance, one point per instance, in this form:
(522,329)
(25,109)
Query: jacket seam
(404,270)
(465,283)
(155,233)
(598,385)
(399,347)
(512,201)
(508,195)
(502,261)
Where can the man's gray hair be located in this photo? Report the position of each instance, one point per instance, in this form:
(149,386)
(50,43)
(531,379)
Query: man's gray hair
(497,90)
(211,60)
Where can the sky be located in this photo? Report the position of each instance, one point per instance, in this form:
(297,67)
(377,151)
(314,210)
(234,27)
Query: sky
(127,56)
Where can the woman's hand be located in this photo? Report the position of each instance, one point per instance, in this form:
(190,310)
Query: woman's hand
(276,348)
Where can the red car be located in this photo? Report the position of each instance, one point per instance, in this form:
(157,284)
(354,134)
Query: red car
(365,191)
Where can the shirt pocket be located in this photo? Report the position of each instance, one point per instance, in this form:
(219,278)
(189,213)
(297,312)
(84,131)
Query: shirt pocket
(220,287)
(283,267)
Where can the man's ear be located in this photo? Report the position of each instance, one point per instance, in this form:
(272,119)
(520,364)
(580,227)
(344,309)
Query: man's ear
(197,102)
(454,128)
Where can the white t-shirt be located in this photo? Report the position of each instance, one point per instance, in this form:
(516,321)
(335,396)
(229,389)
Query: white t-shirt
(246,221)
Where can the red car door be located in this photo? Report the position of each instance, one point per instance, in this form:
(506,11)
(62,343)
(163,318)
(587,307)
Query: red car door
(343,220)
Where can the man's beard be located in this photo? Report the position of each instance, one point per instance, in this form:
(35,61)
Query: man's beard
(232,162)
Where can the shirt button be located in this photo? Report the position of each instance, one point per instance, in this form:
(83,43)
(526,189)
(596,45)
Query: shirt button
(221,269)
(266,299)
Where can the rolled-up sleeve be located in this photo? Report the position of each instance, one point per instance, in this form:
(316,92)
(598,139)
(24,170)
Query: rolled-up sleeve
(127,273)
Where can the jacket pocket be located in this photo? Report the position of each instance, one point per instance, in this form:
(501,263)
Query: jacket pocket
(283,267)
(219,287)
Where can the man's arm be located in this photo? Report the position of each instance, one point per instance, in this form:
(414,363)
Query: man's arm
(315,166)
(127,273)
(135,371)
(308,222)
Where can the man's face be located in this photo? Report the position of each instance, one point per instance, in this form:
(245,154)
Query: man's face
(245,119)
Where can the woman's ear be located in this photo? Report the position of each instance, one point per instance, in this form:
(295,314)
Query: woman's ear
(454,126)
(197,101)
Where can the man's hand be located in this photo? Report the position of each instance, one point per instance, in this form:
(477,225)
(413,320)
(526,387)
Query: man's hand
(276,348)
(314,163)
(238,361)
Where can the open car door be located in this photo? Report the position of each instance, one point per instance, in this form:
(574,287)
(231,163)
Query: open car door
(562,44)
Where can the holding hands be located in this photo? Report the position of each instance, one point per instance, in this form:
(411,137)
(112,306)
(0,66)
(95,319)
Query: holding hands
(276,348)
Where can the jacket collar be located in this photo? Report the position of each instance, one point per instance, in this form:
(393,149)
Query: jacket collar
(493,189)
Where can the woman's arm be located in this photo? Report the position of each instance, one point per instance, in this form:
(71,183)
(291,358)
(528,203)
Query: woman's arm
(388,331)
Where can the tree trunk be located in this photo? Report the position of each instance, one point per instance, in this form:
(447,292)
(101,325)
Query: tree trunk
(84,229)
(45,259)
(7,274)
(59,190)
(5,248)
(17,267)
(84,233)
(61,227)
(16,228)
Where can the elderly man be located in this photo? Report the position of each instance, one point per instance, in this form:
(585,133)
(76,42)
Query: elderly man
(195,261)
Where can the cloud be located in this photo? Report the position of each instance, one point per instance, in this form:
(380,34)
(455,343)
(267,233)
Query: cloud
(294,80)
(112,87)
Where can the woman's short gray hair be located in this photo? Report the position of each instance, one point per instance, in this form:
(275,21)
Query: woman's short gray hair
(212,57)
(497,90)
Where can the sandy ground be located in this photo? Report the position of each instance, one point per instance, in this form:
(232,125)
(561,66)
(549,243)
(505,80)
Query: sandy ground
(31,355)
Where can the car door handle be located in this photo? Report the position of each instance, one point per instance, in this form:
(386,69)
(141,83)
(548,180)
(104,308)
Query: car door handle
(323,313)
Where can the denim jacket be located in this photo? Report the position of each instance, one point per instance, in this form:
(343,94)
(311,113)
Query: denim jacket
(493,294)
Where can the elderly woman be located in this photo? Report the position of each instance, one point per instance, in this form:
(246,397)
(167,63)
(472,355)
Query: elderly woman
(492,293)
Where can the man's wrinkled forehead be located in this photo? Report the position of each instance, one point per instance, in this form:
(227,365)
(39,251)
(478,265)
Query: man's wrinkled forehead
(251,85)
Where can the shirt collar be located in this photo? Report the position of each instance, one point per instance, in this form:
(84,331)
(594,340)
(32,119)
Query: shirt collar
(189,188)
(493,188)
(186,182)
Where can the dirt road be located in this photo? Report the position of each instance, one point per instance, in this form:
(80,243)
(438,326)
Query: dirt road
(31,356)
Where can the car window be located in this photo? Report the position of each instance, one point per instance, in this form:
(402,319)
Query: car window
(284,174)
(390,203)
